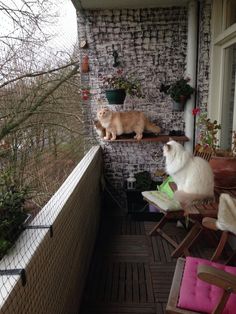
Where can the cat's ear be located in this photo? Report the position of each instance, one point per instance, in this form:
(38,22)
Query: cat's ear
(168,147)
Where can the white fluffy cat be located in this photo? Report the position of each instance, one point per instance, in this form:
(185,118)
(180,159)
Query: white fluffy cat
(192,175)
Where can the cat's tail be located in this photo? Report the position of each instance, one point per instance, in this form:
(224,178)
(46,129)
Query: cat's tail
(187,199)
(151,127)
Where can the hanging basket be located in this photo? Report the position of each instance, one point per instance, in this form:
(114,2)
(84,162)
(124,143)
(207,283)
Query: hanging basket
(179,106)
(115,96)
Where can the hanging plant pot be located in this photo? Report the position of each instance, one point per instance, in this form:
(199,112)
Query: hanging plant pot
(179,106)
(115,96)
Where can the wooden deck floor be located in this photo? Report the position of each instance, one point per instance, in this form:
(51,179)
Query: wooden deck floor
(132,272)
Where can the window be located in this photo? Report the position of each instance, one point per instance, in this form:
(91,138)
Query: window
(230,14)
(222,95)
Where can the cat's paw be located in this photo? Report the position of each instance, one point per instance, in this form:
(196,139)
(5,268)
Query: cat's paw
(138,137)
(113,138)
(106,138)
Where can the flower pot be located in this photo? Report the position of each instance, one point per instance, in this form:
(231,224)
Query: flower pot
(116,96)
(179,105)
(176,106)
(224,169)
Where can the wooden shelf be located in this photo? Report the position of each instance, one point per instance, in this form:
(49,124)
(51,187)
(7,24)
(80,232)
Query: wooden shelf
(149,138)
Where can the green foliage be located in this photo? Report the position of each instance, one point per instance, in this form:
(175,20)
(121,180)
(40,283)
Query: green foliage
(180,88)
(122,81)
(208,130)
(12,213)
(144,181)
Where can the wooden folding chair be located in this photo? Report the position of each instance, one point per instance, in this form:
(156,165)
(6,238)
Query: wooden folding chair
(175,214)
(197,214)
(210,223)
(188,294)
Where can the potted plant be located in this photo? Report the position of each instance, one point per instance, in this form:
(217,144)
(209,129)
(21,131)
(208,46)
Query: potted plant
(116,87)
(180,91)
(12,211)
(223,161)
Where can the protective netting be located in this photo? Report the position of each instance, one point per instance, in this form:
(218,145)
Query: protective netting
(41,142)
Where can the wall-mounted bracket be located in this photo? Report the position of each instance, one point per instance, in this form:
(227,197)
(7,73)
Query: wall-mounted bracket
(116,62)
(42,227)
(15,272)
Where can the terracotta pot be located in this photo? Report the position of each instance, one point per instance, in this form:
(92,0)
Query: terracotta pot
(224,169)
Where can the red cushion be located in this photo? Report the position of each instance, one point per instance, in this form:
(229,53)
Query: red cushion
(198,295)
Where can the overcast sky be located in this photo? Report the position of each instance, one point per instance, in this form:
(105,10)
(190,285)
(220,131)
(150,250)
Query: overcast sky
(66,28)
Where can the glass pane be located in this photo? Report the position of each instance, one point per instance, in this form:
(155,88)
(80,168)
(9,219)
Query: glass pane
(231,13)
(228,121)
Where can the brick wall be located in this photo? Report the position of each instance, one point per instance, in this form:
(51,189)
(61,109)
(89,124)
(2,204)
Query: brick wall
(151,44)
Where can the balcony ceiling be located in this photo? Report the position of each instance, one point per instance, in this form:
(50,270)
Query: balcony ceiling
(124,4)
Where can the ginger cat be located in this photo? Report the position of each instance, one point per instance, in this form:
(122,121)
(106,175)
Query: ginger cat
(99,128)
(117,123)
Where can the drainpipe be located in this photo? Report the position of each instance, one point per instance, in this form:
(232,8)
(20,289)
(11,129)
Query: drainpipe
(191,70)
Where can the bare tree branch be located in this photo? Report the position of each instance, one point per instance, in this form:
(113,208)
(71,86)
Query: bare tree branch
(11,126)
(38,73)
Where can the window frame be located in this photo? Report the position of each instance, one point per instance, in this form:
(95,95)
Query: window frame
(222,38)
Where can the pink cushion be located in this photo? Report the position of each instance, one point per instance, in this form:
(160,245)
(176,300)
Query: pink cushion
(197,295)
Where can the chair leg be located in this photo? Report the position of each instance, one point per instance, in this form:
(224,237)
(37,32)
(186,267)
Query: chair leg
(158,229)
(159,225)
(220,306)
(188,240)
(231,259)
(223,239)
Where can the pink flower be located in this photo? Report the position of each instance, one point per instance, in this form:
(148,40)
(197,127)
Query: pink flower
(195,111)
(85,94)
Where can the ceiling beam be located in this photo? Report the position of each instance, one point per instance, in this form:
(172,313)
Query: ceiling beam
(81,5)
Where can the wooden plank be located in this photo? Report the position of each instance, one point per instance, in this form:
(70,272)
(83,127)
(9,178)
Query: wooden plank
(150,296)
(102,285)
(161,249)
(142,228)
(142,283)
(149,138)
(133,308)
(115,282)
(166,251)
(156,251)
(122,281)
(108,287)
(129,283)
(135,283)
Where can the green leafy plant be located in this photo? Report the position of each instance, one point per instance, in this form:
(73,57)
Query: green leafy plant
(119,80)
(179,91)
(12,212)
(208,130)
(144,181)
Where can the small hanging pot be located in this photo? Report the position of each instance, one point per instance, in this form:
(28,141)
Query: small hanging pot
(179,106)
(115,96)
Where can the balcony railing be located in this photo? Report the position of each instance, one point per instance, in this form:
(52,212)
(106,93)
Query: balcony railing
(55,251)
